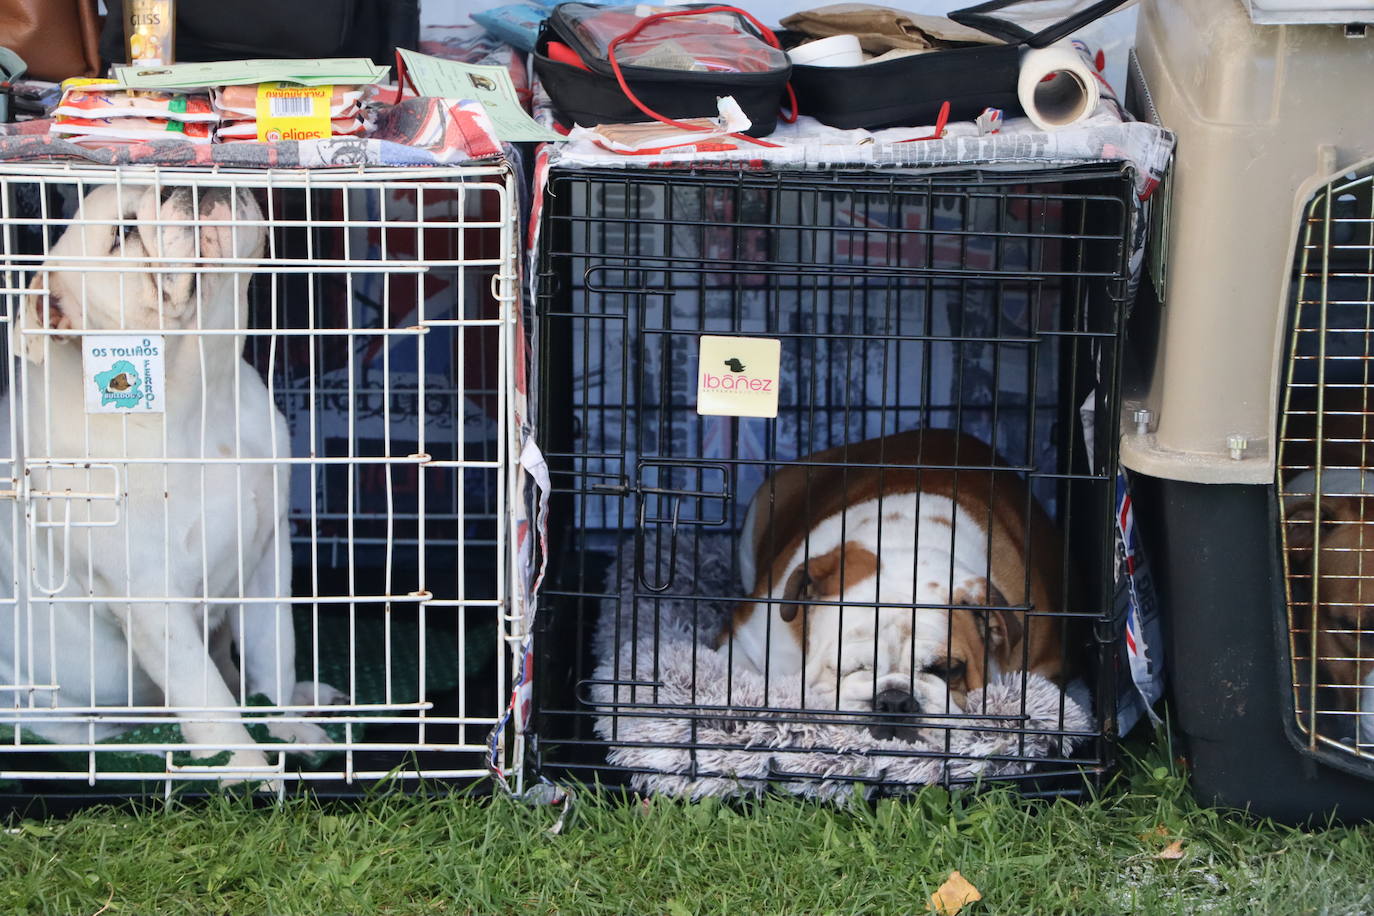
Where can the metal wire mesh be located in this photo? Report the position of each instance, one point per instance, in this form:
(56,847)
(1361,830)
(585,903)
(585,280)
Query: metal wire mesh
(1325,456)
(981,304)
(279,514)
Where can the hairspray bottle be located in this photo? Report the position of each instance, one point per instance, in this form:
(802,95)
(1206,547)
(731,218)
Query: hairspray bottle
(150,30)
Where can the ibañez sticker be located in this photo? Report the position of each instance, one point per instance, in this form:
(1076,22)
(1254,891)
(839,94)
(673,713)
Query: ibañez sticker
(738,376)
(123,374)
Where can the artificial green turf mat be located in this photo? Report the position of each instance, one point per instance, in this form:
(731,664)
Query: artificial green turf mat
(369,636)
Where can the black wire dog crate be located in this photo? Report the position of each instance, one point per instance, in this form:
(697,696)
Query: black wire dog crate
(932,527)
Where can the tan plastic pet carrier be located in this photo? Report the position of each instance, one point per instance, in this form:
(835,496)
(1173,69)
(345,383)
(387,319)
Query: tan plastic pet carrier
(1246,417)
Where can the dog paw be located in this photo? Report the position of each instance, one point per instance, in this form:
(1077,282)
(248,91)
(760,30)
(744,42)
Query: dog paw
(250,760)
(299,733)
(317,693)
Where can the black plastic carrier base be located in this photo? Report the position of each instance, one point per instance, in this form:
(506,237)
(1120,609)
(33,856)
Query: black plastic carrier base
(981,304)
(1227,655)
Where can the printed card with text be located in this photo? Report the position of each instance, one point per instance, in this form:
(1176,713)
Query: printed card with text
(123,374)
(738,376)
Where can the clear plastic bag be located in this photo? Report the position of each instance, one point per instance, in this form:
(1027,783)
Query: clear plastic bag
(713,42)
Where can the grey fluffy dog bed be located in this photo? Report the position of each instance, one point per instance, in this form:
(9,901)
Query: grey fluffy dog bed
(660,642)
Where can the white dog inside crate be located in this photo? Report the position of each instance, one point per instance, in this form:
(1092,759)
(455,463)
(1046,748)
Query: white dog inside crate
(201,502)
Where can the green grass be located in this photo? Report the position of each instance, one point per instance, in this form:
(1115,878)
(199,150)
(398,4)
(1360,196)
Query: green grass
(397,854)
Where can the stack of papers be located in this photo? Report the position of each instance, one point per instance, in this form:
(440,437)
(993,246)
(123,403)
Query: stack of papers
(327,71)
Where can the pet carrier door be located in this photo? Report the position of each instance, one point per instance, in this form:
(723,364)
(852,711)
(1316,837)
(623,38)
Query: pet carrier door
(1326,474)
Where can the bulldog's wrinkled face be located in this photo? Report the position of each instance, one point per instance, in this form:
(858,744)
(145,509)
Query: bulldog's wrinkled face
(905,631)
(898,635)
(106,271)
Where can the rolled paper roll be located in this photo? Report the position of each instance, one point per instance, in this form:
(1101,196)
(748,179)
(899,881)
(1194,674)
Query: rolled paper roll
(835,51)
(1057,86)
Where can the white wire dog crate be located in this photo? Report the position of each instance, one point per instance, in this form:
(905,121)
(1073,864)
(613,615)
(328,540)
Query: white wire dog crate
(256,420)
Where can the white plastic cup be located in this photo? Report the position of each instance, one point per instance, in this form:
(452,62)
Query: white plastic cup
(835,51)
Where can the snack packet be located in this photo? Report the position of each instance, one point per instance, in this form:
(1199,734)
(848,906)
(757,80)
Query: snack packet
(93,98)
(129,129)
(248,130)
(240,103)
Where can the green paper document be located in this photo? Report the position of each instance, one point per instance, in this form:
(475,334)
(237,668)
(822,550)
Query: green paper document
(491,86)
(330,71)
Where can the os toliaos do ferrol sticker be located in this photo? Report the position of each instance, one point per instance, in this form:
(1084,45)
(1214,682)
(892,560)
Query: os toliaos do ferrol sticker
(738,376)
(123,374)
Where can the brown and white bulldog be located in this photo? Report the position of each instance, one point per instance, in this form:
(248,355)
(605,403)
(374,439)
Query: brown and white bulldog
(900,571)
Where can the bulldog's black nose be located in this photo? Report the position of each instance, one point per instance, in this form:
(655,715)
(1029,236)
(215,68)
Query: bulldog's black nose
(893,703)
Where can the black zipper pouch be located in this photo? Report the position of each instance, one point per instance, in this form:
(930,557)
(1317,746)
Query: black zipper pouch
(676,67)
(909,91)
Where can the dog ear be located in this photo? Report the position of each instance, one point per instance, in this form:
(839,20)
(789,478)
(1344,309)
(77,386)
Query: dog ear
(158,212)
(1000,630)
(39,311)
(827,573)
(999,627)
(798,588)
(244,237)
(1302,524)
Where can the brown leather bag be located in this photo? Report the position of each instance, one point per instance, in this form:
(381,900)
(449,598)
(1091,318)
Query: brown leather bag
(56,38)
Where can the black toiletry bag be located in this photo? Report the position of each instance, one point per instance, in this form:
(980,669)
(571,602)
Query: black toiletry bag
(595,96)
(909,91)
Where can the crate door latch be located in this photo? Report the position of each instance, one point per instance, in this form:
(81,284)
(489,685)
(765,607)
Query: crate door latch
(673,495)
(57,510)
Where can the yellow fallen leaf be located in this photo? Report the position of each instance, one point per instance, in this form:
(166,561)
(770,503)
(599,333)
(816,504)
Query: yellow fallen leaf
(1173,851)
(1159,832)
(953,895)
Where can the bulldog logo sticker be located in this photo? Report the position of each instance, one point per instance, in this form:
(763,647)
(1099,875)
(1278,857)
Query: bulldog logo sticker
(120,385)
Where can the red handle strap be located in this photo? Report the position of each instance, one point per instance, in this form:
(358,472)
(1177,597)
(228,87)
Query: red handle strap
(765,32)
(941,120)
(403,78)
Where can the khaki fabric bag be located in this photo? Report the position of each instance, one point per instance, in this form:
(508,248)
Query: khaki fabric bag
(881,29)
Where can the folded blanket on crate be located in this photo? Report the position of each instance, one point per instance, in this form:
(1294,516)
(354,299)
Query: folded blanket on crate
(685,750)
(416,132)
(1108,135)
